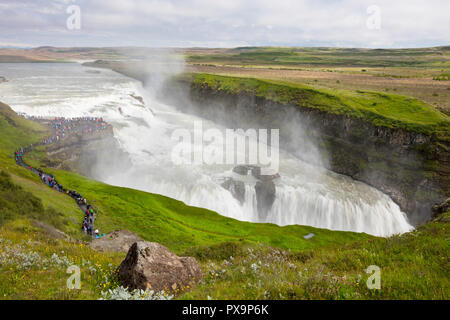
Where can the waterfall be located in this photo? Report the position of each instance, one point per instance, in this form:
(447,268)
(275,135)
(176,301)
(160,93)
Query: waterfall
(305,195)
(297,205)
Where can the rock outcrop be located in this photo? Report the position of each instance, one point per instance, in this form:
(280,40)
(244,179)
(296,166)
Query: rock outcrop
(138,98)
(265,196)
(149,265)
(90,156)
(116,241)
(441,208)
(264,188)
(236,188)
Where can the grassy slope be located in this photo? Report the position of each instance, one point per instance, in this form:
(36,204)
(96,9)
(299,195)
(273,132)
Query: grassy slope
(379,108)
(15,132)
(179,227)
(33,265)
(412,266)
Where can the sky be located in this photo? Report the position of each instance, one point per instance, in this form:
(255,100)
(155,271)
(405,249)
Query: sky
(225,23)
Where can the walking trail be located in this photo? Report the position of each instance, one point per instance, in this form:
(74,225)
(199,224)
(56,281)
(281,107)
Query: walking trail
(62,127)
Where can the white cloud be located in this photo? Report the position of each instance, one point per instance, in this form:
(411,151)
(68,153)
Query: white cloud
(410,23)
(15,44)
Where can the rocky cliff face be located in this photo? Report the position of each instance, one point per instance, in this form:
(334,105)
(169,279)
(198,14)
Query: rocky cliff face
(265,189)
(87,155)
(412,168)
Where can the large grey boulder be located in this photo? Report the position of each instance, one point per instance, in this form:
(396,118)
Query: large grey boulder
(149,265)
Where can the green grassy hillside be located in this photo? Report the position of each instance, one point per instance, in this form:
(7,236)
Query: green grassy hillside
(412,266)
(179,227)
(33,265)
(20,184)
(379,108)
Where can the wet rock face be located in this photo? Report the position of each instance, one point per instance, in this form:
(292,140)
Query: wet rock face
(411,167)
(138,98)
(149,265)
(237,189)
(265,196)
(255,171)
(441,208)
(248,169)
(264,188)
(242,170)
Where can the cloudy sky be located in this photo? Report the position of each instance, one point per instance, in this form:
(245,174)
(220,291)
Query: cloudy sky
(225,23)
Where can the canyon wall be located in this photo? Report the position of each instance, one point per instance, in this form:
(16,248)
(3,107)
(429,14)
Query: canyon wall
(412,168)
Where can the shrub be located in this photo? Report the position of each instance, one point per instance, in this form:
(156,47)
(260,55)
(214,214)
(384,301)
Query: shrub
(18,203)
(442,77)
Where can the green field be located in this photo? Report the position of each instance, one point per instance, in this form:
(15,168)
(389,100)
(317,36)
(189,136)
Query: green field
(437,57)
(421,73)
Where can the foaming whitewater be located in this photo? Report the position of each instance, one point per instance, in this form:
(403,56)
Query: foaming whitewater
(354,207)
(305,194)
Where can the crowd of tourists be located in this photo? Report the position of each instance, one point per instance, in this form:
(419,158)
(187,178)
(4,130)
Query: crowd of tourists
(61,127)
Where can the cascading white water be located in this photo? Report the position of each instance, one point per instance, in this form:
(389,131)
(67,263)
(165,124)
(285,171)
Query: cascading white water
(250,203)
(305,194)
(298,205)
